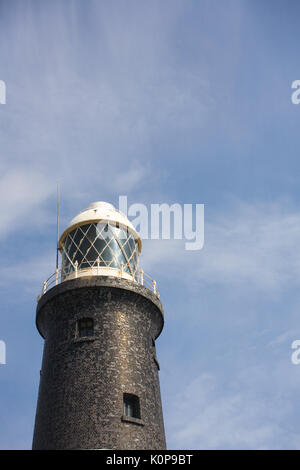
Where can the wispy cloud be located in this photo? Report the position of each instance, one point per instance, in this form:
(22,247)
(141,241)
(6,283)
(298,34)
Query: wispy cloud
(247,246)
(28,275)
(91,119)
(22,194)
(210,414)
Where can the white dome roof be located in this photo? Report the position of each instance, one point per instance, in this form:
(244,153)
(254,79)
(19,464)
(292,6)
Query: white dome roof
(96,212)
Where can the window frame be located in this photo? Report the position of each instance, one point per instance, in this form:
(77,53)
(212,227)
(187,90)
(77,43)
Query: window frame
(131,406)
(85,331)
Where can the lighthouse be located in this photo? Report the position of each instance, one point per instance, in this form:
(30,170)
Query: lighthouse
(100,316)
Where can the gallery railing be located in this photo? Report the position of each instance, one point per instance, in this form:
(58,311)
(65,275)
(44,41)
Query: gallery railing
(59,276)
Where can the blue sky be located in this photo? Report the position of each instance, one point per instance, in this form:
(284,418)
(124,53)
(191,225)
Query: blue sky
(165,101)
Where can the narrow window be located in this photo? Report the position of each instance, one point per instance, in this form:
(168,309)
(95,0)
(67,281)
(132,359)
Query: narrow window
(131,406)
(85,327)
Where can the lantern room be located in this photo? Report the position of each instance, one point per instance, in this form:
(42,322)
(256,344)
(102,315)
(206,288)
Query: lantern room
(100,240)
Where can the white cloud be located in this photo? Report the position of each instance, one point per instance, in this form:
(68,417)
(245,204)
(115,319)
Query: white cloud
(249,246)
(28,275)
(209,414)
(22,192)
(287,336)
(129,180)
(91,115)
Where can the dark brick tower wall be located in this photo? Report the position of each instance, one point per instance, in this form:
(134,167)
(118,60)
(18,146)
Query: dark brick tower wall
(80,402)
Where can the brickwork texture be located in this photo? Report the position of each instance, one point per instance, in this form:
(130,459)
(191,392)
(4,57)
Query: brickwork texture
(83,379)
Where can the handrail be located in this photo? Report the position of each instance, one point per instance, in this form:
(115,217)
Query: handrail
(143,279)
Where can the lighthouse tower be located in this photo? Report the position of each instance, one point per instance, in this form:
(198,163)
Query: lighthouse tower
(99,385)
